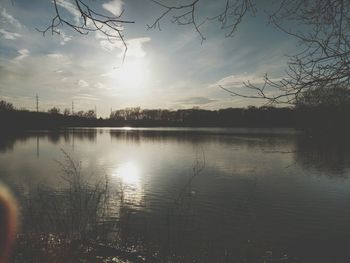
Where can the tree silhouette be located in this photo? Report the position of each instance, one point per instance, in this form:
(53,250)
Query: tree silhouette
(335,96)
(324,59)
(6,106)
(90,114)
(66,112)
(54,110)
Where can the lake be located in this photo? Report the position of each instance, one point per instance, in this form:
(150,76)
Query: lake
(198,195)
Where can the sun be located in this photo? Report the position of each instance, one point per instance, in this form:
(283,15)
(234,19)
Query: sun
(133,76)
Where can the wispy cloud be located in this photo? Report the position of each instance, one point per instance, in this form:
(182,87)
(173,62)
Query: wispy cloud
(9,35)
(238,80)
(82,83)
(101,86)
(61,58)
(71,8)
(11,24)
(64,38)
(85,97)
(195,101)
(55,55)
(135,46)
(6,17)
(115,7)
(23,53)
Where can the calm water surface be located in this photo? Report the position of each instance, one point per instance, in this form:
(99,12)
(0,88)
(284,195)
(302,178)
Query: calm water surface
(206,195)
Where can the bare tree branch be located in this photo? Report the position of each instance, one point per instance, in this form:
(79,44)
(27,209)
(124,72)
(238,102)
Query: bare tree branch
(89,21)
(230,18)
(324,61)
(233,14)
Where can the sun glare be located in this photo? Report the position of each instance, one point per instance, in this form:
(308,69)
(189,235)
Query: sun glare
(133,76)
(129,173)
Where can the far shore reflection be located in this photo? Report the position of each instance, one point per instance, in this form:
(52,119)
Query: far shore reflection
(329,154)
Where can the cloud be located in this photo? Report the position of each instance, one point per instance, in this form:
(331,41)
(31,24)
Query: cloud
(23,53)
(107,74)
(115,7)
(46,73)
(85,97)
(55,55)
(195,101)
(135,46)
(9,35)
(10,22)
(64,38)
(110,45)
(237,81)
(71,8)
(82,83)
(99,85)
(60,58)
(10,19)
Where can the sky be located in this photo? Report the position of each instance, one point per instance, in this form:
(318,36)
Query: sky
(170,68)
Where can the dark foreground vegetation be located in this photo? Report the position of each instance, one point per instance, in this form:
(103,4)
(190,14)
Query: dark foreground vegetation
(315,117)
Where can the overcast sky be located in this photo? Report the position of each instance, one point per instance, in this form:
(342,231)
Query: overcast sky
(163,69)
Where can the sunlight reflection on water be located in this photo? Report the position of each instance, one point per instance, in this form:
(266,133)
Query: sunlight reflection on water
(129,175)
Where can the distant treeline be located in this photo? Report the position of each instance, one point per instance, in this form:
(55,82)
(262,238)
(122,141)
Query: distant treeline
(321,116)
(312,117)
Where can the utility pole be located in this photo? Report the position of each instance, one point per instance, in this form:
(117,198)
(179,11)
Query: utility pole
(95,112)
(37,102)
(72,107)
